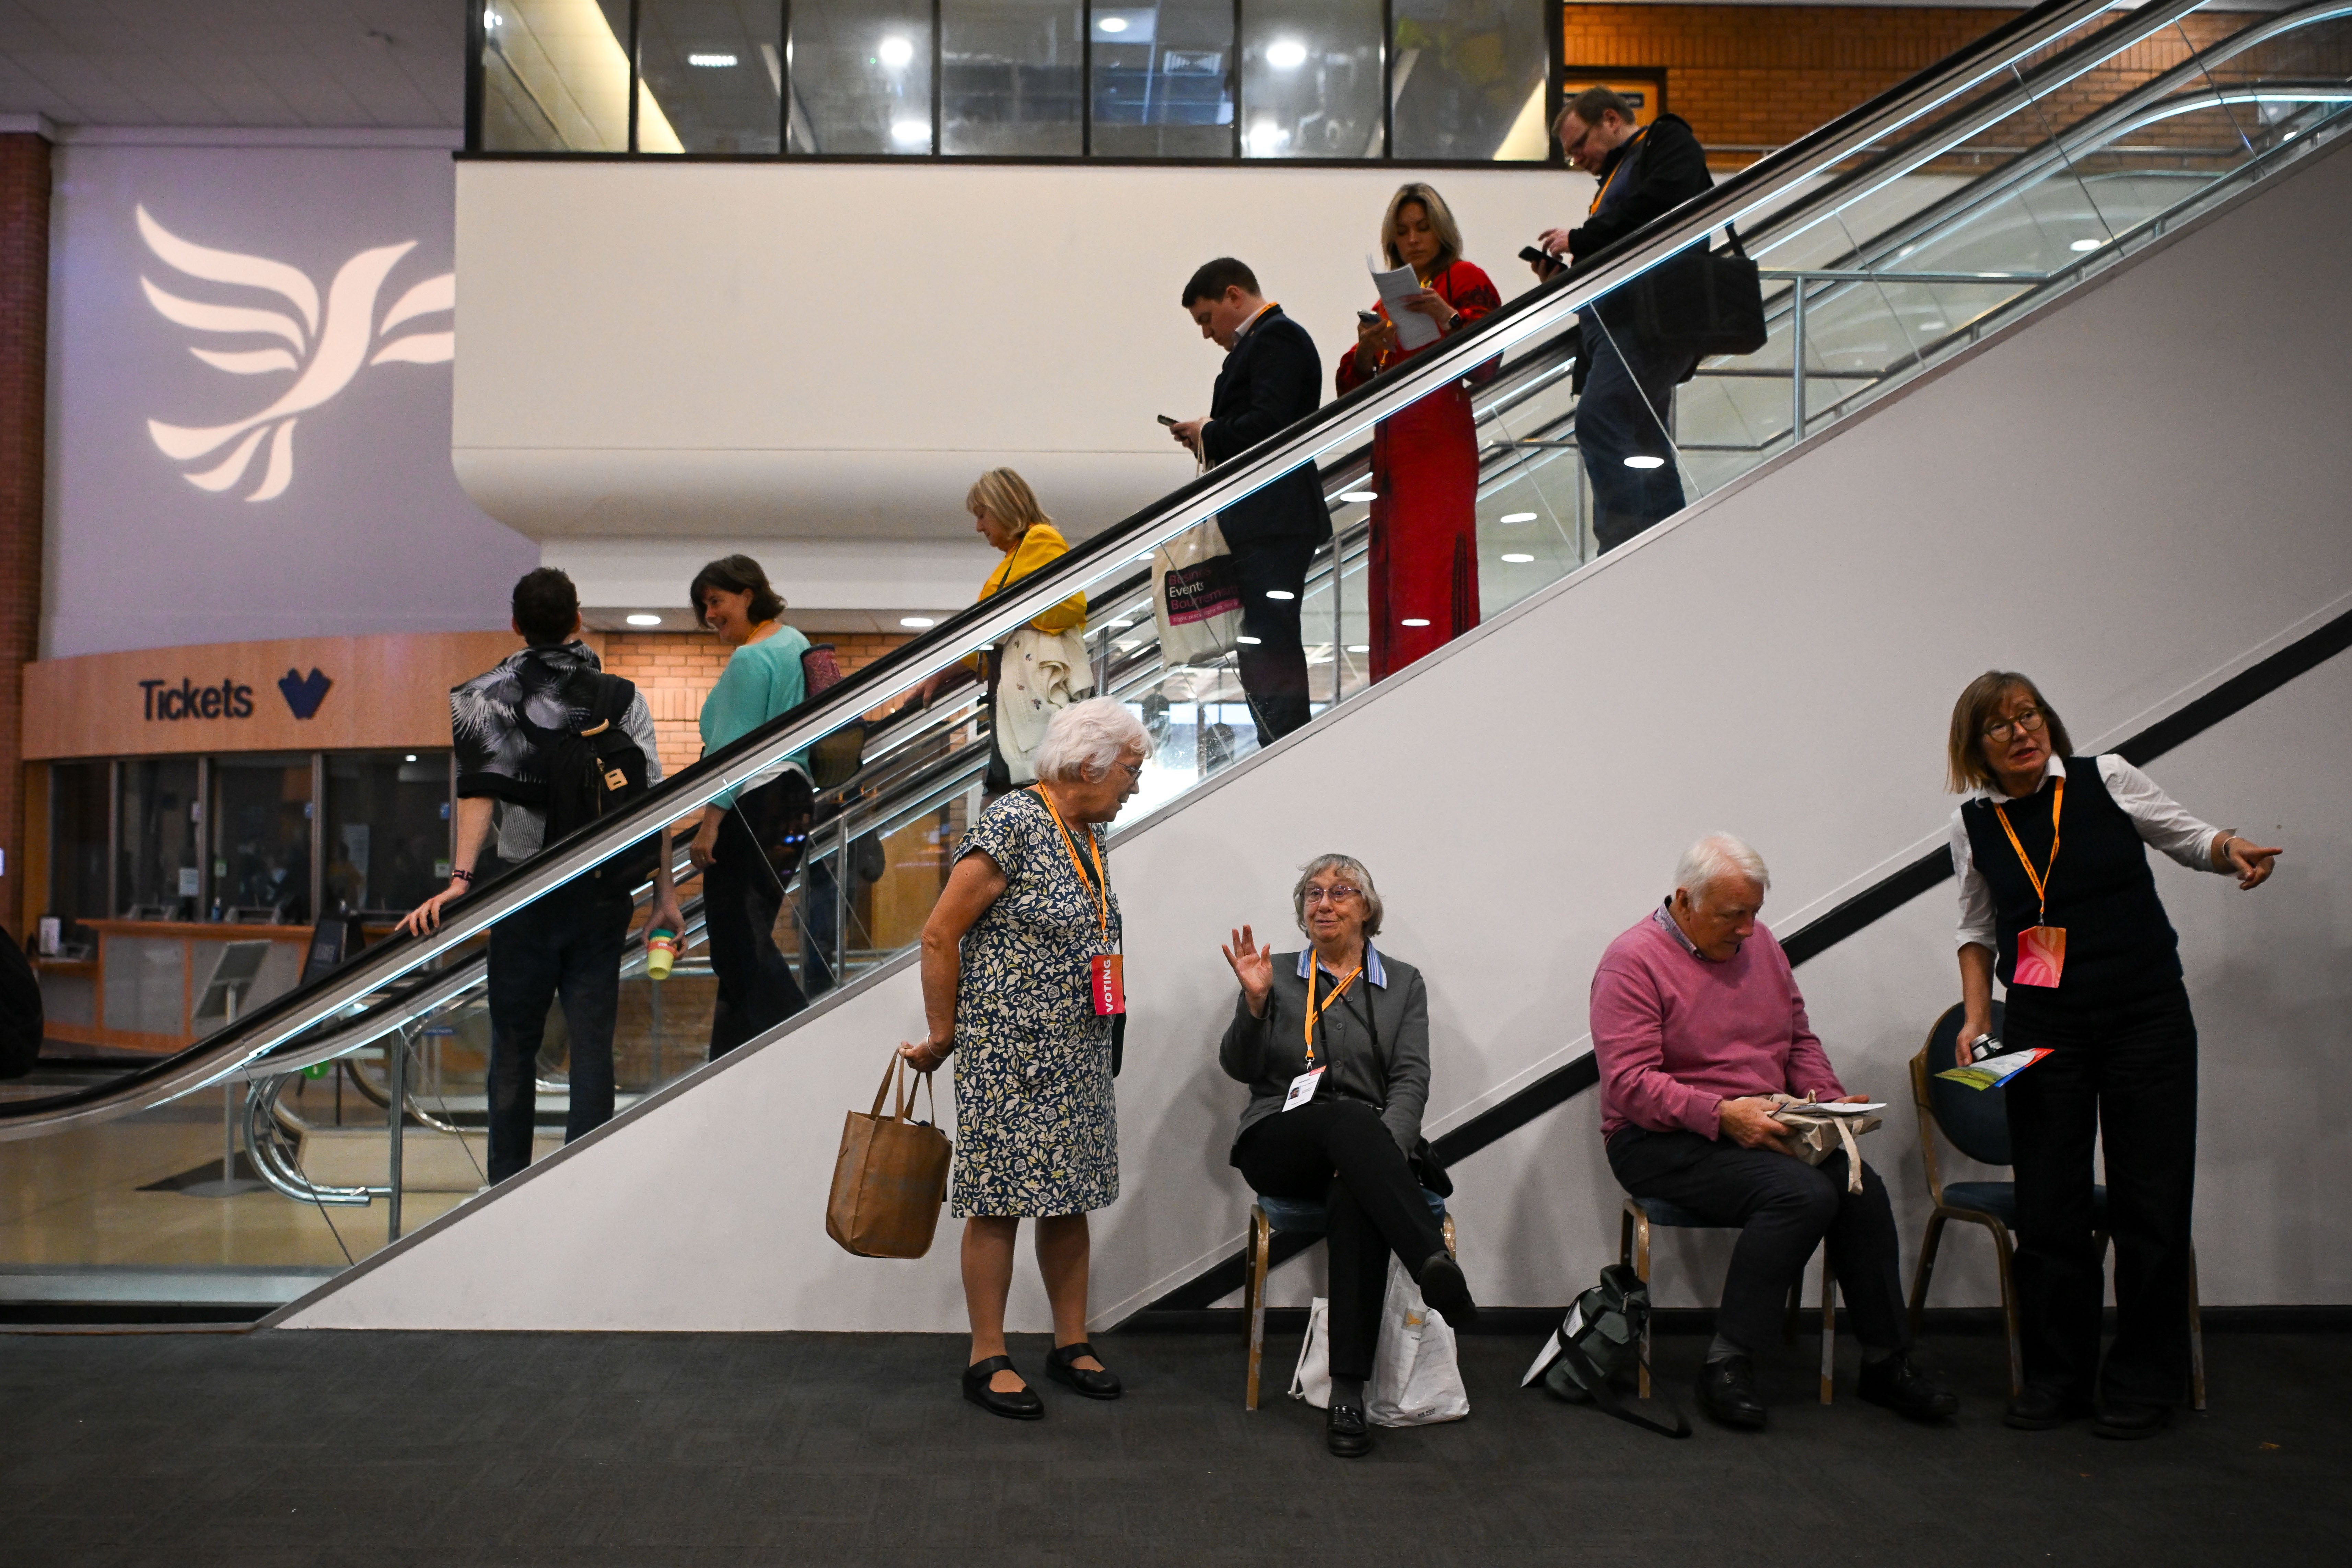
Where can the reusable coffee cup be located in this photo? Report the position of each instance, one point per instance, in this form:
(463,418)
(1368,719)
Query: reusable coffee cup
(661,952)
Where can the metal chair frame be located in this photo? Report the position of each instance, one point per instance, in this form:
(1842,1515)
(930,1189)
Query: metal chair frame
(1260,1261)
(1633,1247)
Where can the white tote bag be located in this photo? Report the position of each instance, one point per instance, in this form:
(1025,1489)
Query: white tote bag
(1416,1380)
(1196,596)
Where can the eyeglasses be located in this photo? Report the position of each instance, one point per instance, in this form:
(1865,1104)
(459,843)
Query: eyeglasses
(1134,771)
(2029,720)
(1332,894)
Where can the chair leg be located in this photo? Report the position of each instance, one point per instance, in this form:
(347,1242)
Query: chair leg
(1829,1326)
(2005,1256)
(2196,1338)
(1637,1230)
(1928,1246)
(1260,1243)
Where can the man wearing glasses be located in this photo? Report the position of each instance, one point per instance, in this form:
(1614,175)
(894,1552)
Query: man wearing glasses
(1626,382)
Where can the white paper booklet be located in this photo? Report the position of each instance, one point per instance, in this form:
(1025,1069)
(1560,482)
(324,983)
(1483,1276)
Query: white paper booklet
(1415,331)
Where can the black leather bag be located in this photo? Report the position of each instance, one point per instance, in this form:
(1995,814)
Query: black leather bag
(1703,302)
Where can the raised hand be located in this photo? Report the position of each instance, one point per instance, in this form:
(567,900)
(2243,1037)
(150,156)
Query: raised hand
(1254,966)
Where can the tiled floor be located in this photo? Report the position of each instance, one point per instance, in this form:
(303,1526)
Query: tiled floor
(583,1450)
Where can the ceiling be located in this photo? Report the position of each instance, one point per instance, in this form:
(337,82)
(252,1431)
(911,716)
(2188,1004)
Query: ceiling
(295,64)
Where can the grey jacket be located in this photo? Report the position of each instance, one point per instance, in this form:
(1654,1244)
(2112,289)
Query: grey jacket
(1385,1066)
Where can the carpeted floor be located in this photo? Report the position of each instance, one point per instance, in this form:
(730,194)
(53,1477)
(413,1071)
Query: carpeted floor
(190,1450)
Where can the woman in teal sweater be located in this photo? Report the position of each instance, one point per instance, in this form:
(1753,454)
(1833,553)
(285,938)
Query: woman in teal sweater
(741,892)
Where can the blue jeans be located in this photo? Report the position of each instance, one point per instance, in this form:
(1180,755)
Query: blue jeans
(1629,388)
(568,943)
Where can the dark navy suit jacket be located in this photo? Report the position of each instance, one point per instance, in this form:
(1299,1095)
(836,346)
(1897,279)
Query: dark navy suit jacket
(1272,378)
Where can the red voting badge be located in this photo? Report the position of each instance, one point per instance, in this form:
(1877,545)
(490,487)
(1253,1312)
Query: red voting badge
(2041,956)
(1108,984)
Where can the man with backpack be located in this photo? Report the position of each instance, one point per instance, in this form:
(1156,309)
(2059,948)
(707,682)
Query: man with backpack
(546,743)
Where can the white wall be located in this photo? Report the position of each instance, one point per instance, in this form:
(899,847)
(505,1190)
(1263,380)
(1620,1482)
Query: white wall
(836,351)
(2132,496)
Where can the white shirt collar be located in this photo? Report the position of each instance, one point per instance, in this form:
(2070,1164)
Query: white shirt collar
(2054,769)
(1373,969)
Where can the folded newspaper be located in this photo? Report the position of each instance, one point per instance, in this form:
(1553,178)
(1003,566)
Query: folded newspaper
(1993,1071)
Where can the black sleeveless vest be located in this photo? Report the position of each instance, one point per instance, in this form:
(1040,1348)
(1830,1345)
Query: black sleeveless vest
(2119,943)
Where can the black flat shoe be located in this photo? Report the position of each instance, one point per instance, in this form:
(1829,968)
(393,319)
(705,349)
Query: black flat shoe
(2129,1422)
(1447,1293)
(1021,1404)
(1899,1385)
(1726,1391)
(2040,1409)
(1345,1432)
(1063,1368)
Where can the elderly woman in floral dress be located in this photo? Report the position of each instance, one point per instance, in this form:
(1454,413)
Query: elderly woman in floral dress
(1015,959)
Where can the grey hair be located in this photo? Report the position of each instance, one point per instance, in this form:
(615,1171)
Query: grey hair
(1715,856)
(1085,740)
(1353,869)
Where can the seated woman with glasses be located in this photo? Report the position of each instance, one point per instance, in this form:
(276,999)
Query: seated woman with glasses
(1334,1045)
(2057,898)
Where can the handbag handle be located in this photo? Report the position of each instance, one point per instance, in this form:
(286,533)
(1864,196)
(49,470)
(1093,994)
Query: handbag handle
(896,1073)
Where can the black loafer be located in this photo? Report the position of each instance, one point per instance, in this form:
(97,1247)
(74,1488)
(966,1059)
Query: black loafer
(2039,1409)
(1021,1404)
(1903,1388)
(1345,1431)
(1447,1293)
(1726,1391)
(2128,1422)
(1063,1368)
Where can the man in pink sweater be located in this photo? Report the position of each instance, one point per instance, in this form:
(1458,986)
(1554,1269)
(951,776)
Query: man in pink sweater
(1695,1018)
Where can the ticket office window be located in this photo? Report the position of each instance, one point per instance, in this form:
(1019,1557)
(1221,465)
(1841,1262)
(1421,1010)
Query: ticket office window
(159,827)
(386,844)
(81,799)
(261,806)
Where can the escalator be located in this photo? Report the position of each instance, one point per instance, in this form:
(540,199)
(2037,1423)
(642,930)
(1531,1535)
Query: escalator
(1892,242)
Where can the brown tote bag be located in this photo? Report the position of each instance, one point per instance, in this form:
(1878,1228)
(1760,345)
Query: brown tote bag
(891,1176)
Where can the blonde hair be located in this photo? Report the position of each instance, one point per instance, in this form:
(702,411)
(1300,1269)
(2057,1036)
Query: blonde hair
(1441,220)
(1007,497)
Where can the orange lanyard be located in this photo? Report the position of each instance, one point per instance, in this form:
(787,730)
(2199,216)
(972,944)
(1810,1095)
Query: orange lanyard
(1314,967)
(1101,887)
(2040,881)
(1615,172)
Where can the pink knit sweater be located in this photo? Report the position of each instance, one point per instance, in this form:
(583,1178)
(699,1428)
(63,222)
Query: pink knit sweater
(1675,1033)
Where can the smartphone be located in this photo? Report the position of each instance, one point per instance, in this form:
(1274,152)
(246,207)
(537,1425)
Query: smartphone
(1163,418)
(1369,317)
(1542,258)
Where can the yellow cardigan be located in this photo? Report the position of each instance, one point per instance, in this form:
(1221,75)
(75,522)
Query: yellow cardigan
(1042,544)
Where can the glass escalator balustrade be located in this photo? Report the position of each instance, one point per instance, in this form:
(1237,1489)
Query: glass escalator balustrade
(1887,242)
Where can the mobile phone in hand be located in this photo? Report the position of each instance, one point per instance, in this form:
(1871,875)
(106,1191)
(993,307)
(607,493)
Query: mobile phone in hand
(1163,418)
(1369,317)
(1543,261)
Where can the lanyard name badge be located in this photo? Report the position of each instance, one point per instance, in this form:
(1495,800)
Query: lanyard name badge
(1303,1086)
(1106,977)
(2040,948)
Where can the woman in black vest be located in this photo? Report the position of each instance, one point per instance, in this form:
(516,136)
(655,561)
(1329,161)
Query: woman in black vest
(2057,896)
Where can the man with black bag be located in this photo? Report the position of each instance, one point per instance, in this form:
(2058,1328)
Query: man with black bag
(1627,370)
(546,743)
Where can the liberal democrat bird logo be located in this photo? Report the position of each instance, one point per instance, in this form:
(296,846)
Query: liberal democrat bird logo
(323,356)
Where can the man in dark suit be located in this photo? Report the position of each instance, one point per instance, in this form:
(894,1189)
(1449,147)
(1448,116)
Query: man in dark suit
(1624,418)
(1272,377)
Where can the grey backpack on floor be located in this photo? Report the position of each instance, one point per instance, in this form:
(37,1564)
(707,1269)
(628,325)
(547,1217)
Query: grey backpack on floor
(1600,1338)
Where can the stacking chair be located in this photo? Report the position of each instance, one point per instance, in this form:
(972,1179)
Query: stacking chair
(1975,1122)
(1633,1249)
(1298,1217)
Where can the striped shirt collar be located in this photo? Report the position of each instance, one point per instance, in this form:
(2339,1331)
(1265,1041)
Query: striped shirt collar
(1373,969)
(1665,915)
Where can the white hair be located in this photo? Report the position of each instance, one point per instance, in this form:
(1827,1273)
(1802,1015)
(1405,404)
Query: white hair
(1086,739)
(1718,854)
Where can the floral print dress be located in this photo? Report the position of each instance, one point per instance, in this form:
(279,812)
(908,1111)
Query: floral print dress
(1036,1129)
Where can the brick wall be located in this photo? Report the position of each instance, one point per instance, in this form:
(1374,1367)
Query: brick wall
(675,670)
(23,401)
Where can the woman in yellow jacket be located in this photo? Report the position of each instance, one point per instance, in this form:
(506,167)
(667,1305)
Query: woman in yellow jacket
(1042,666)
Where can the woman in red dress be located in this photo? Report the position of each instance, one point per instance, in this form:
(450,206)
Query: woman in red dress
(1425,548)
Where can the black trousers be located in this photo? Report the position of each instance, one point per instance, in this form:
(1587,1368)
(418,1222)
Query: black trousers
(1784,1208)
(1629,391)
(1341,1152)
(2130,1072)
(1274,667)
(741,897)
(569,944)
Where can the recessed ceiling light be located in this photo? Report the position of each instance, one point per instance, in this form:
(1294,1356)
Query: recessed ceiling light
(1517,517)
(1413,621)
(1642,462)
(710,62)
(1519,560)
(645,620)
(1359,647)
(1252,641)
(920,622)
(1120,626)
(1266,139)
(1112,24)
(1285,54)
(911,132)
(1359,496)
(896,51)
(1280,593)
(410,758)
(2086,244)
